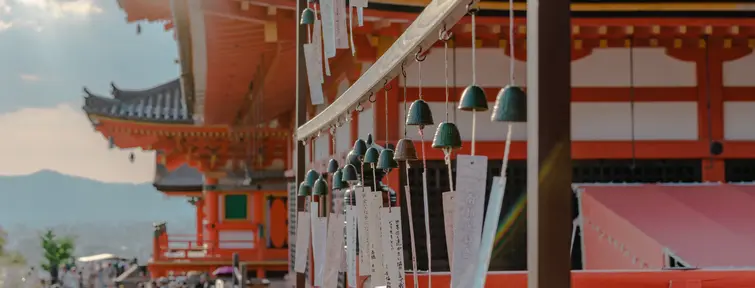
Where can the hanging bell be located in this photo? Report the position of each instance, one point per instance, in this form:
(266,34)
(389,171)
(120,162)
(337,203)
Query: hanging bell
(385,161)
(360,147)
(307,16)
(369,139)
(510,105)
(338,180)
(405,151)
(332,166)
(321,188)
(473,99)
(447,136)
(311,177)
(419,114)
(305,189)
(371,157)
(349,174)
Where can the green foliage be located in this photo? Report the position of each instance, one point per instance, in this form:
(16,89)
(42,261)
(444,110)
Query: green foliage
(9,257)
(57,250)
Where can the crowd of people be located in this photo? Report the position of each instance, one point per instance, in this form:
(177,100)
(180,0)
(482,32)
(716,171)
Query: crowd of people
(83,275)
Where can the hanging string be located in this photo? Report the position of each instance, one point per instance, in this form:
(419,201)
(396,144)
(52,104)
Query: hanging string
(408,194)
(708,101)
(631,101)
(454,75)
(445,36)
(424,182)
(474,77)
(512,60)
(386,88)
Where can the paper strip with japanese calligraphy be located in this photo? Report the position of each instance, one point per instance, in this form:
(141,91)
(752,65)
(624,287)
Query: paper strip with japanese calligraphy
(469,203)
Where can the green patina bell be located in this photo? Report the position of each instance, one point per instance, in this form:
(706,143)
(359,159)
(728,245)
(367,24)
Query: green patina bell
(307,16)
(372,155)
(419,114)
(349,174)
(385,161)
(405,151)
(338,180)
(321,187)
(447,136)
(473,99)
(332,166)
(311,177)
(305,189)
(510,105)
(369,139)
(360,147)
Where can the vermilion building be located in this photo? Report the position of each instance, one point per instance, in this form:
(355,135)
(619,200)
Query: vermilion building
(662,92)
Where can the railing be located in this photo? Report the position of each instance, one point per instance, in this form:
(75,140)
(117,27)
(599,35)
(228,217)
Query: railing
(188,247)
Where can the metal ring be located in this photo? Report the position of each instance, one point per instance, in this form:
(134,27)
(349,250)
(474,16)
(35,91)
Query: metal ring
(372,98)
(387,86)
(419,57)
(359,108)
(444,34)
(471,9)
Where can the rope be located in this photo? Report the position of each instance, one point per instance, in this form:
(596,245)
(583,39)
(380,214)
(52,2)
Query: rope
(427,210)
(445,72)
(447,158)
(411,227)
(512,60)
(474,56)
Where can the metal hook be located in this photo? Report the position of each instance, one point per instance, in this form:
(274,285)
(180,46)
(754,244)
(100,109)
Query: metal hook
(332,129)
(471,9)
(388,86)
(372,98)
(419,57)
(339,122)
(403,71)
(359,108)
(444,34)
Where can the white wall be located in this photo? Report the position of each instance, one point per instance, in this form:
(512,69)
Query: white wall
(590,121)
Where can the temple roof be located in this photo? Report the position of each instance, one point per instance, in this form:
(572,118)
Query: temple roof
(163,103)
(187,178)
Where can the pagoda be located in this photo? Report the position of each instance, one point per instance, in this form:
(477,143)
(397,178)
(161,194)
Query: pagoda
(661,92)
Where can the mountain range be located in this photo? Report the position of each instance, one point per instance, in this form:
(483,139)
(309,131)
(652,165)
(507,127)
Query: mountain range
(102,217)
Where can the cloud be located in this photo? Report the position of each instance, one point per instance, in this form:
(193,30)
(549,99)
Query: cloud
(59,8)
(30,77)
(5,25)
(62,139)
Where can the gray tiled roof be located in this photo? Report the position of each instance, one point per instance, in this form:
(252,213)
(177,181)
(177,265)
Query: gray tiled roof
(164,103)
(186,176)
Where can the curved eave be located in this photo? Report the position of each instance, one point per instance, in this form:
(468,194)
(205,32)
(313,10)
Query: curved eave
(181,190)
(98,117)
(184,38)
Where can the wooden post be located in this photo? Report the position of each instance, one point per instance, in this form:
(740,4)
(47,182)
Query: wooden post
(213,212)
(549,144)
(200,221)
(302,90)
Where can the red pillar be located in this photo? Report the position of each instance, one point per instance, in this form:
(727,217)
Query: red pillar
(212,198)
(200,221)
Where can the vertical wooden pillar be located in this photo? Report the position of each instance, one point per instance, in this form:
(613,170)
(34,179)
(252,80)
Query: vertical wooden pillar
(212,197)
(710,104)
(302,90)
(549,169)
(200,221)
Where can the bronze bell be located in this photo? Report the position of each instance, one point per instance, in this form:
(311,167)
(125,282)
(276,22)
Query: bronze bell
(405,151)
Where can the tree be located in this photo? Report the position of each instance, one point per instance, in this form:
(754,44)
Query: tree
(58,250)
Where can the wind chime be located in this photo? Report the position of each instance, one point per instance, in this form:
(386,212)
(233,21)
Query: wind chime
(406,152)
(420,115)
(510,107)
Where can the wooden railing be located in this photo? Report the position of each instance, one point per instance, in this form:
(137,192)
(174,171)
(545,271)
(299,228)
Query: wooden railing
(188,247)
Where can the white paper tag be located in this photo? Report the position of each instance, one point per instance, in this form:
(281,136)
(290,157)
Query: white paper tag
(342,35)
(377,271)
(413,243)
(302,241)
(334,250)
(317,41)
(393,247)
(448,220)
(469,205)
(489,230)
(328,27)
(351,245)
(363,227)
(358,3)
(319,244)
(315,85)
(351,31)
(360,16)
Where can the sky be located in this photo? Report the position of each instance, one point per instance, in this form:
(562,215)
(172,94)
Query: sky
(49,51)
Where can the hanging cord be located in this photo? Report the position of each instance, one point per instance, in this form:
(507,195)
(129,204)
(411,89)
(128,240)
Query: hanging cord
(708,100)
(445,35)
(454,76)
(408,194)
(424,179)
(473,12)
(387,87)
(631,101)
(512,60)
